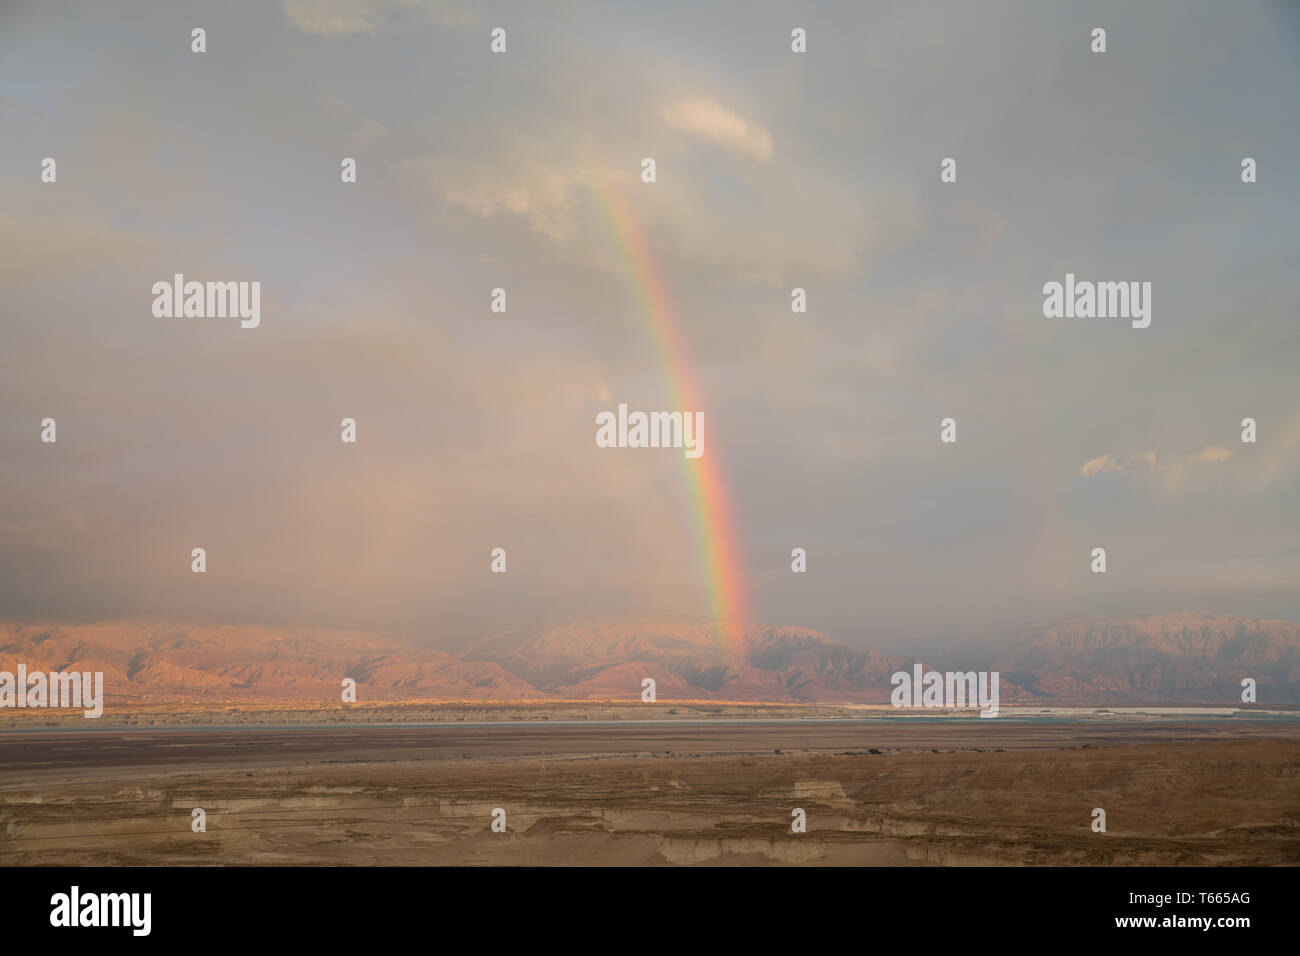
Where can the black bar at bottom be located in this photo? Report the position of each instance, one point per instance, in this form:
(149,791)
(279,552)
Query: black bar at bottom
(579,909)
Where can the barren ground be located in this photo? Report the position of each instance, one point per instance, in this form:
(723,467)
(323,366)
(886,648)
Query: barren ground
(891,792)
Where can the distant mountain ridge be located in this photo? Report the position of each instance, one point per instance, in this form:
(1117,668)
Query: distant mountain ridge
(768,663)
(144,661)
(1167,659)
(1174,658)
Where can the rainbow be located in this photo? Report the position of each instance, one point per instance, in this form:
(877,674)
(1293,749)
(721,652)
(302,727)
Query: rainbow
(710,507)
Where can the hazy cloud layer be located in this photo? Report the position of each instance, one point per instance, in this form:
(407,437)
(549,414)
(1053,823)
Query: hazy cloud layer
(476,429)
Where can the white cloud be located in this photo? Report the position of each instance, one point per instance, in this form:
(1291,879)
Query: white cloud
(344,17)
(714,123)
(1152,462)
(334,17)
(1104,463)
(1170,474)
(511,182)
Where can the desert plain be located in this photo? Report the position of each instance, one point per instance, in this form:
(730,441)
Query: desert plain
(618,783)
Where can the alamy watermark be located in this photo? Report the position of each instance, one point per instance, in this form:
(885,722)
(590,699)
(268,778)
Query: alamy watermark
(75,908)
(952,690)
(683,430)
(212,300)
(56,689)
(1101,300)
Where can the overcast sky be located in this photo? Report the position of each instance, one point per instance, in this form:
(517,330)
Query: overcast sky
(476,430)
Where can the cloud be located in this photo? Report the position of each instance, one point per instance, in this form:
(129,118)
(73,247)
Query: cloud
(1104,463)
(714,123)
(1151,461)
(477,429)
(346,17)
(1211,454)
(334,17)
(514,182)
(1169,473)
(370,131)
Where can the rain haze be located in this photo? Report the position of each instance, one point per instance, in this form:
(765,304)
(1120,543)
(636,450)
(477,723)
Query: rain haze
(476,428)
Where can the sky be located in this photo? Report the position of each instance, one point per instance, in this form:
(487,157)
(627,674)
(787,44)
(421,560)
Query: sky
(774,170)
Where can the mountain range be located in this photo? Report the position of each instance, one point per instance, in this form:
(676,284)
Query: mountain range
(1168,659)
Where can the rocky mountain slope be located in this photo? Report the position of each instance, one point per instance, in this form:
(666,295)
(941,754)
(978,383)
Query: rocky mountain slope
(1168,659)
(149,661)
(1172,658)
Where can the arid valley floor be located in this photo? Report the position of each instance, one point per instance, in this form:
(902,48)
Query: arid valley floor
(709,785)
